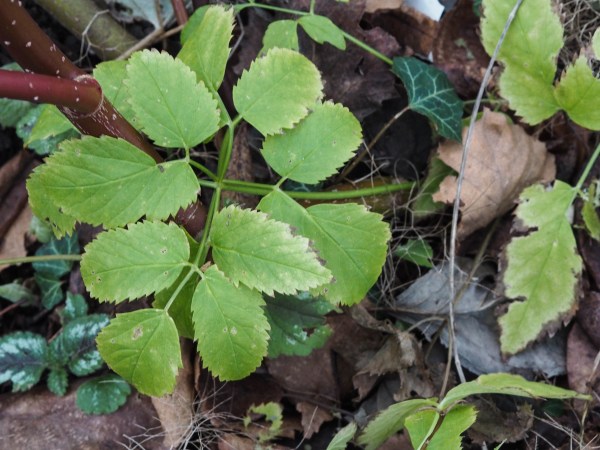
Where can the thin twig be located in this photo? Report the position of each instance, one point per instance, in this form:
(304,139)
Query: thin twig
(461,175)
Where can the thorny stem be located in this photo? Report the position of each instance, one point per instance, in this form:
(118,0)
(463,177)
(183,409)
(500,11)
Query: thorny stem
(181,14)
(40,258)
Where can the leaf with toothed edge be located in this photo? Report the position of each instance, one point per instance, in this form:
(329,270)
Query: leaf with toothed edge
(282,34)
(129,263)
(321,29)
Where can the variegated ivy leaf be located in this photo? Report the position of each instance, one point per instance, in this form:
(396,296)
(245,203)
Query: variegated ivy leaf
(22,359)
(103,395)
(171,106)
(542,268)
(207,49)
(230,325)
(315,148)
(351,240)
(277,90)
(282,34)
(143,347)
(110,182)
(263,253)
(130,263)
(58,381)
(321,29)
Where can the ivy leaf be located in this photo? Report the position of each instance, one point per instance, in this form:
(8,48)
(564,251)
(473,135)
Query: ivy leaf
(431,94)
(58,381)
(75,346)
(529,53)
(416,251)
(390,421)
(171,106)
(107,181)
(143,347)
(277,91)
(111,75)
(50,288)
(342,437)
(543,267)
(15,292)
(321,29)
(55,269)
(207,49)
(448,436)
(314,149)
(103,395)
(75,307)
(22,359)
(351,240)
(297,324)
(231,327)
(45,208)
(130,263)
(282,34)
(576,92)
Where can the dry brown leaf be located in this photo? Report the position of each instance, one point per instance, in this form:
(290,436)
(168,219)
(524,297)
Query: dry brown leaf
(503,160)
(13,243)
(312,417)
(584,376)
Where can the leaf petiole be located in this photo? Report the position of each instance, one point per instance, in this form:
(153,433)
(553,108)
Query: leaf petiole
(41,258)
(176,292)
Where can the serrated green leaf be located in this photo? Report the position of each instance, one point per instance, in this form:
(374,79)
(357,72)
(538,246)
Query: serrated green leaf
(129,263)
(297,324)
(448,436)
(41,230)
(171,106)
(281,34)
(58,381)
(68,245)
(590,217)
(342,437)
(277,91)
(321,29)
(44,208)
(507,384)
(103,395)
(206,50)
(390,421)
(416,251)
(314,149)
(111,75)
(109,181)
(75,307)
(22,359)
(15,292)
(542,268)
(50,289)
(230,326)
(576,94)
(193,23)
(351,240)
(431,94)
(143,347)
(529,53)
(263,253)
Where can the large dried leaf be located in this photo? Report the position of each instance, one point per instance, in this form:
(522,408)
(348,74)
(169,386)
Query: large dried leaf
(502,161)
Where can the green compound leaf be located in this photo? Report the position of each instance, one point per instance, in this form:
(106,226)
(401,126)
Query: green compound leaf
(171,106)
(448,436)
(351,240)
(507,384)
(143,347)
(44,208)
(263,253)
(107,181)
(528,52)
(431,94)
(297,324)
(230,325)
(282,34)
(416,251)
(129,263)
(322,29)
(206,50)
(110,75)
(543,267)
(103,395)
(390,421)
(313,150)
(577,93)
(342,437)
(55,269)
(22,359)
(75,346)
(58,381)
(277,91)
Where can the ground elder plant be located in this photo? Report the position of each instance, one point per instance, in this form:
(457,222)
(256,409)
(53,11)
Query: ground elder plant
(258,257)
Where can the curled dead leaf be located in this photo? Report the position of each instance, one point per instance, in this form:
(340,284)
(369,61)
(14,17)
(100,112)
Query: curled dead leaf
(503,160)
